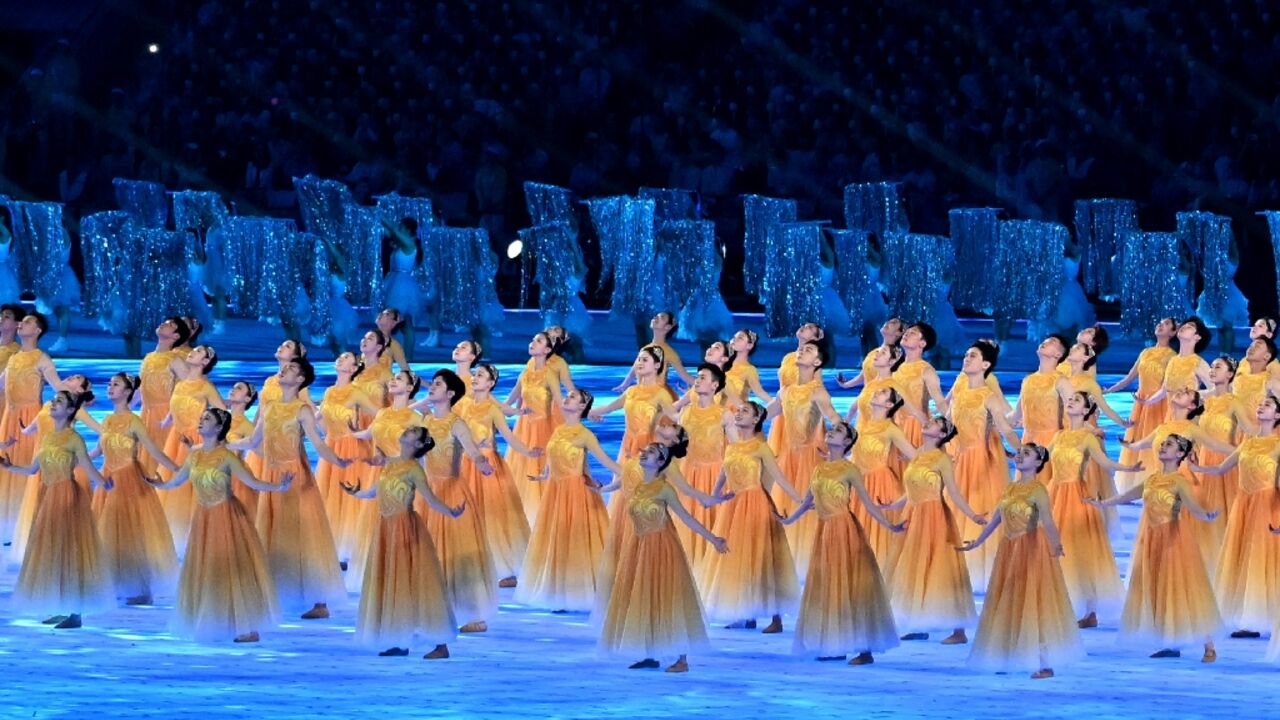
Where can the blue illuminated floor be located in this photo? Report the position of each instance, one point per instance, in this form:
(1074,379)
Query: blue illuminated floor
(536,664)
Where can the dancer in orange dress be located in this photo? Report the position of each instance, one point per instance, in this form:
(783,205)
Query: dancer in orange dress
(804,404)
(1089,565)
(1148,370)
(340,410)
(1224,419)
(561,565)
(1097,340)
(980,466)
(653,608)
(884,362)
(463,547)
(22,382)
(287,352)
(642,403)
(226,588)
(192,394)
(242,396)
(465,356)
(928,578)
(760,578)
(704,420)
(135,534)
(1253,376)
(389,322)
(383,433)
(741,377)
(496,499)
(373,380)
(64,566)
(292,523)
(160,369)
(917,380)
(1250,558)
(559,340)
(1170,601)
(844,607)
(664,326)
(1187,370)
(403,593)
(537,393)
(1027,622)
(10,315)
(1039,408)
(891,333)
(879,443)
(788,375)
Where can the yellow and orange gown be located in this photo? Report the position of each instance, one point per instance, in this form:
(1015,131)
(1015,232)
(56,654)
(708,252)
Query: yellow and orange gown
(387,427)
(802,451)
(737,382)
(538,392)
(872,455)
(157,387)
(1041,413)
(757,577)
(1216,492)
(928,579)
(461,542)
(863,401)
(1088,562)
(269,393)
(909,379)
(981,471)
(242,429)
(7,350)
(1250,387)
(652,608)
(1170,601)
(639,408)
(64,568)
(621,531)
(188,402)
(403,593)
(1027,621)
(845,607)
(701,468)
(23,386)
(1249,565)
(497,501)
(1152,364)
(292,523)
(226,587)
(340,414)
(561,567)
(1180,373)
(135,533)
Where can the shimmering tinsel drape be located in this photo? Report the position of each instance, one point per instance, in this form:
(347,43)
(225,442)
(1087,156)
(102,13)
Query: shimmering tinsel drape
(682,245)
(1151,287)
(163,290)
(285,253)
(557,267)
(759,215)
(1208,236)
(703,315)
(852,282)
(913,265)
(1028,268)
(875,207)
(975,233)
(548,205)
(198,210)
(671,205)
(41,248)
(112,248)
(392,208)
(792,285)
(467,271)
(244,240)
(329,210)
(1100,225)
(147,202)
(625,227)
(1273,224)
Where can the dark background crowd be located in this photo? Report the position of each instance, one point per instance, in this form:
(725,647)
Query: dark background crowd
(1025,106)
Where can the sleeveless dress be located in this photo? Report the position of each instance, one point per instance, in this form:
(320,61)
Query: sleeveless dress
(701,469)
(403,593)
(844,608)
(339,415)
(1088,561)
(802,452)
(1216,492)
(534,430)
(23,386)
(981,471)
(1250,561)
(497,501)
(1041,413)
(1152,364)
(909,379)
(871,454)
(189,400)
(156,388)
(387,427)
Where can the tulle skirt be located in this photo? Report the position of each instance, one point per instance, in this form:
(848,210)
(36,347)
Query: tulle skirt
(1170,602)
(757,577)
(1088,562)
(226,587)
(981,475)
(400,291)
(463,551)
(701,477)
(884,486)
(497,502)
(136,537)
(797,465)
(844,608)
(928,579)
(534,432)
(152,416)
(1214,493)
(12,485)
(367,518)
(247,496)
(403,594)
(560,568)
(1027,621)
(295,533)
(1145,419)
(652,609)
(32,495)
(65,295)
(179,503)
(1249,567)
(64,568)
(339,506)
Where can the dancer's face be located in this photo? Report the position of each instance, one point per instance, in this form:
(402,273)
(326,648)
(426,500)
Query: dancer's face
(1257,351)
(481,380)
(239,394)
(1086,336)
(891,331)
(370,344)
(540,346)
(1267,411)
(29,328)
(1168,327)
(288,350)
(1260,328)
(463,352)
(1183,398)
(651,456)
(716,354)
(117,388)
(387,320)
(645,366)
(1050,348)
(1169,451)
(199,356)
(973,362)
(661,322)
(399,384)
(1220,371)
(808,356)
(1026,458)
(1189,333)
(290,375)
(741,343)
(744,416)
(809,332)
(1075,405)
(704,383)
(438,391)
(837,435)
(8,323)
(209,425)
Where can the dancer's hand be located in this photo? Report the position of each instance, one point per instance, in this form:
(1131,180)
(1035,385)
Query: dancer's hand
(8,443)
(979,519)
(899,527)
(186,441)
(484,467)
(846,384)
(720,544)
(341,462)
(1212,515)
(5,461)
(1136,467)
(285,481)
(456,512)
(718,499)
(589,482)
(1056,550)
(349,488)
(378,459)
(968,545)
(535,453)
(1094,502)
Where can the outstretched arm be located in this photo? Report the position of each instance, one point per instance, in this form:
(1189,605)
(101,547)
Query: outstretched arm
(860,489)
(238,470)
(982,536)
(139,432)
(674,506)
(1124,381)
(593,446)
(769,465)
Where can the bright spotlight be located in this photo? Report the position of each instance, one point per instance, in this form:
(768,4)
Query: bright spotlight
(514,249)
(153,48)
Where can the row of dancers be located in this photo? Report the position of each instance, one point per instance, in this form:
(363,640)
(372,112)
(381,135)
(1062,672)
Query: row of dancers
(429,520)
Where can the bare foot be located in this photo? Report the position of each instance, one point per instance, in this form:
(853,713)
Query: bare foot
(319,612)
(507,582)
(247,637)
(1209,655)
(862,659)
(1088,621)
(774,627)
(956,638)
(441,652)
(478,626)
